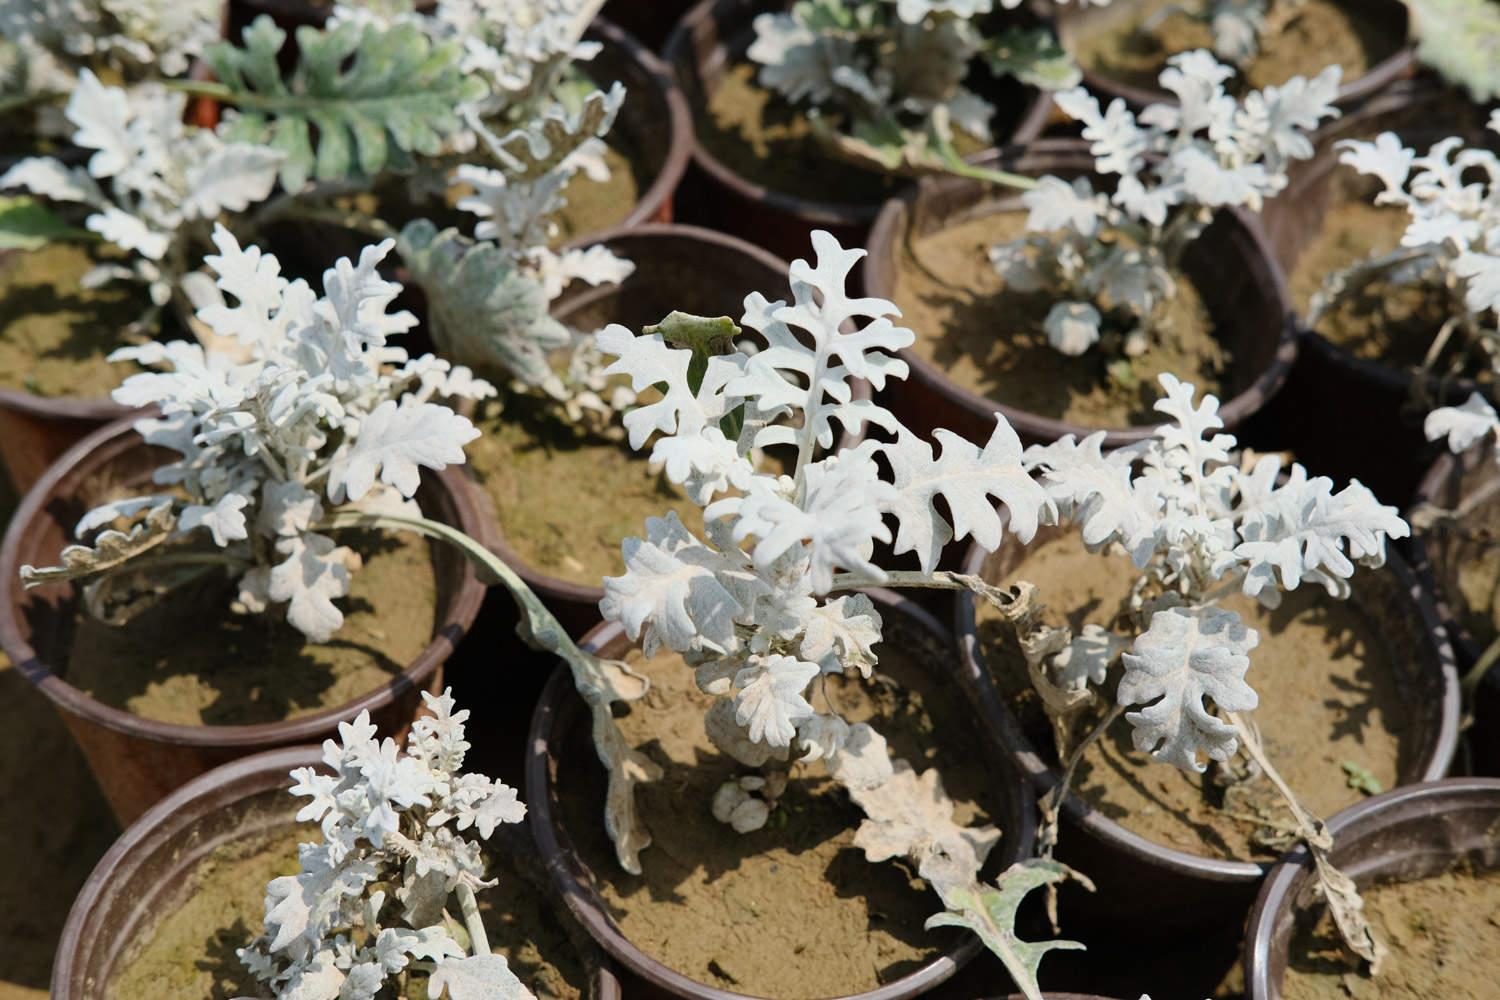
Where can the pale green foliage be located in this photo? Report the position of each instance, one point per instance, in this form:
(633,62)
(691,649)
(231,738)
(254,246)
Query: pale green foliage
(483,309)
(375,95)
(990,912)
(1461,40)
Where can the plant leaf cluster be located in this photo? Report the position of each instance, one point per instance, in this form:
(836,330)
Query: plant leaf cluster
(321,412)
(884,81)
(373,902)
(1108,258)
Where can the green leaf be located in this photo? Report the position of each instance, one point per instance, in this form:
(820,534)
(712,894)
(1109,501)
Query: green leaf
(990,912)
(482,310)
(1034,56)
(371,96)
(26,224)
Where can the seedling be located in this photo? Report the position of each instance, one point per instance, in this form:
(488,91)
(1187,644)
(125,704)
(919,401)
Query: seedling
(373,904)
(1109,260)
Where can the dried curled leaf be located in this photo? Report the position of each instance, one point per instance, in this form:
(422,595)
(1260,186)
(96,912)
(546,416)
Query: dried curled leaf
(112,548)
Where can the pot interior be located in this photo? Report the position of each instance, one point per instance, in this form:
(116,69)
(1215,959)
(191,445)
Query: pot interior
(1388,614)
(1238,285)
(574,796)
(122,466)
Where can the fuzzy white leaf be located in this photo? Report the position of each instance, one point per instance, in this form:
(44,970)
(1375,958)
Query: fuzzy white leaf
(673,592)
(1464,425)
(769,698)
(230,179)
(395,442)
(476,977)
(1072,327)
(842,633)
(314,573)
(1186,655)
(966,478)
(48,178)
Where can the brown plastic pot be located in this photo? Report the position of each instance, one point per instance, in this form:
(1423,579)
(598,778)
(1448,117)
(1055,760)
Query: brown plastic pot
(1436,555)
(560,722)
(1076,23)
(1188,888)
(36,430)
(707,42)
(1402,836)
(137,761)
(1378,437)
(145,873)
(1241,284)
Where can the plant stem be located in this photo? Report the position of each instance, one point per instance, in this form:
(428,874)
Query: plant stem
(479,942)
(19,101)
(1339,890)
(1052,804)
(1470,684)
(955,164)
(600,682)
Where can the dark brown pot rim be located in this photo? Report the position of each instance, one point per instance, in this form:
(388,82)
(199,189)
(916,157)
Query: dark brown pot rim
(814,211)
(573,879)
(544,583)
(679,115)
(1464,642)
(1430,798)
(1351,92)
(108,442)
(176,813)
(880,281)
(62,407)
(1043,777)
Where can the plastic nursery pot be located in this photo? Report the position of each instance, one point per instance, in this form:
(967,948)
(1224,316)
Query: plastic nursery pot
(36,430)
(1189,888)
(560,720)
(1378,437)
(1230,264)
(1402,836)
(1438,554)
(1077,24)
(706,45)
(137,760)
(149,869)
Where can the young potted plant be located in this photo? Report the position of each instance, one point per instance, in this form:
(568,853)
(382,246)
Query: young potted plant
(777,659)
(524,132)
(1374,232)
(808,114)
(1122,47)
(1425,860)
(1128,257)
(191,623)
(1126,646)
(48,399)
(395,895)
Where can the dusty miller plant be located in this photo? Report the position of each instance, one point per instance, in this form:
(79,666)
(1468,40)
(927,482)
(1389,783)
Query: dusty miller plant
(1451,246)
(760,623)
(1198,527)
(1109,259)
(1461,40)
(374,903)
(152,188)
(883,80)
(323,413)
